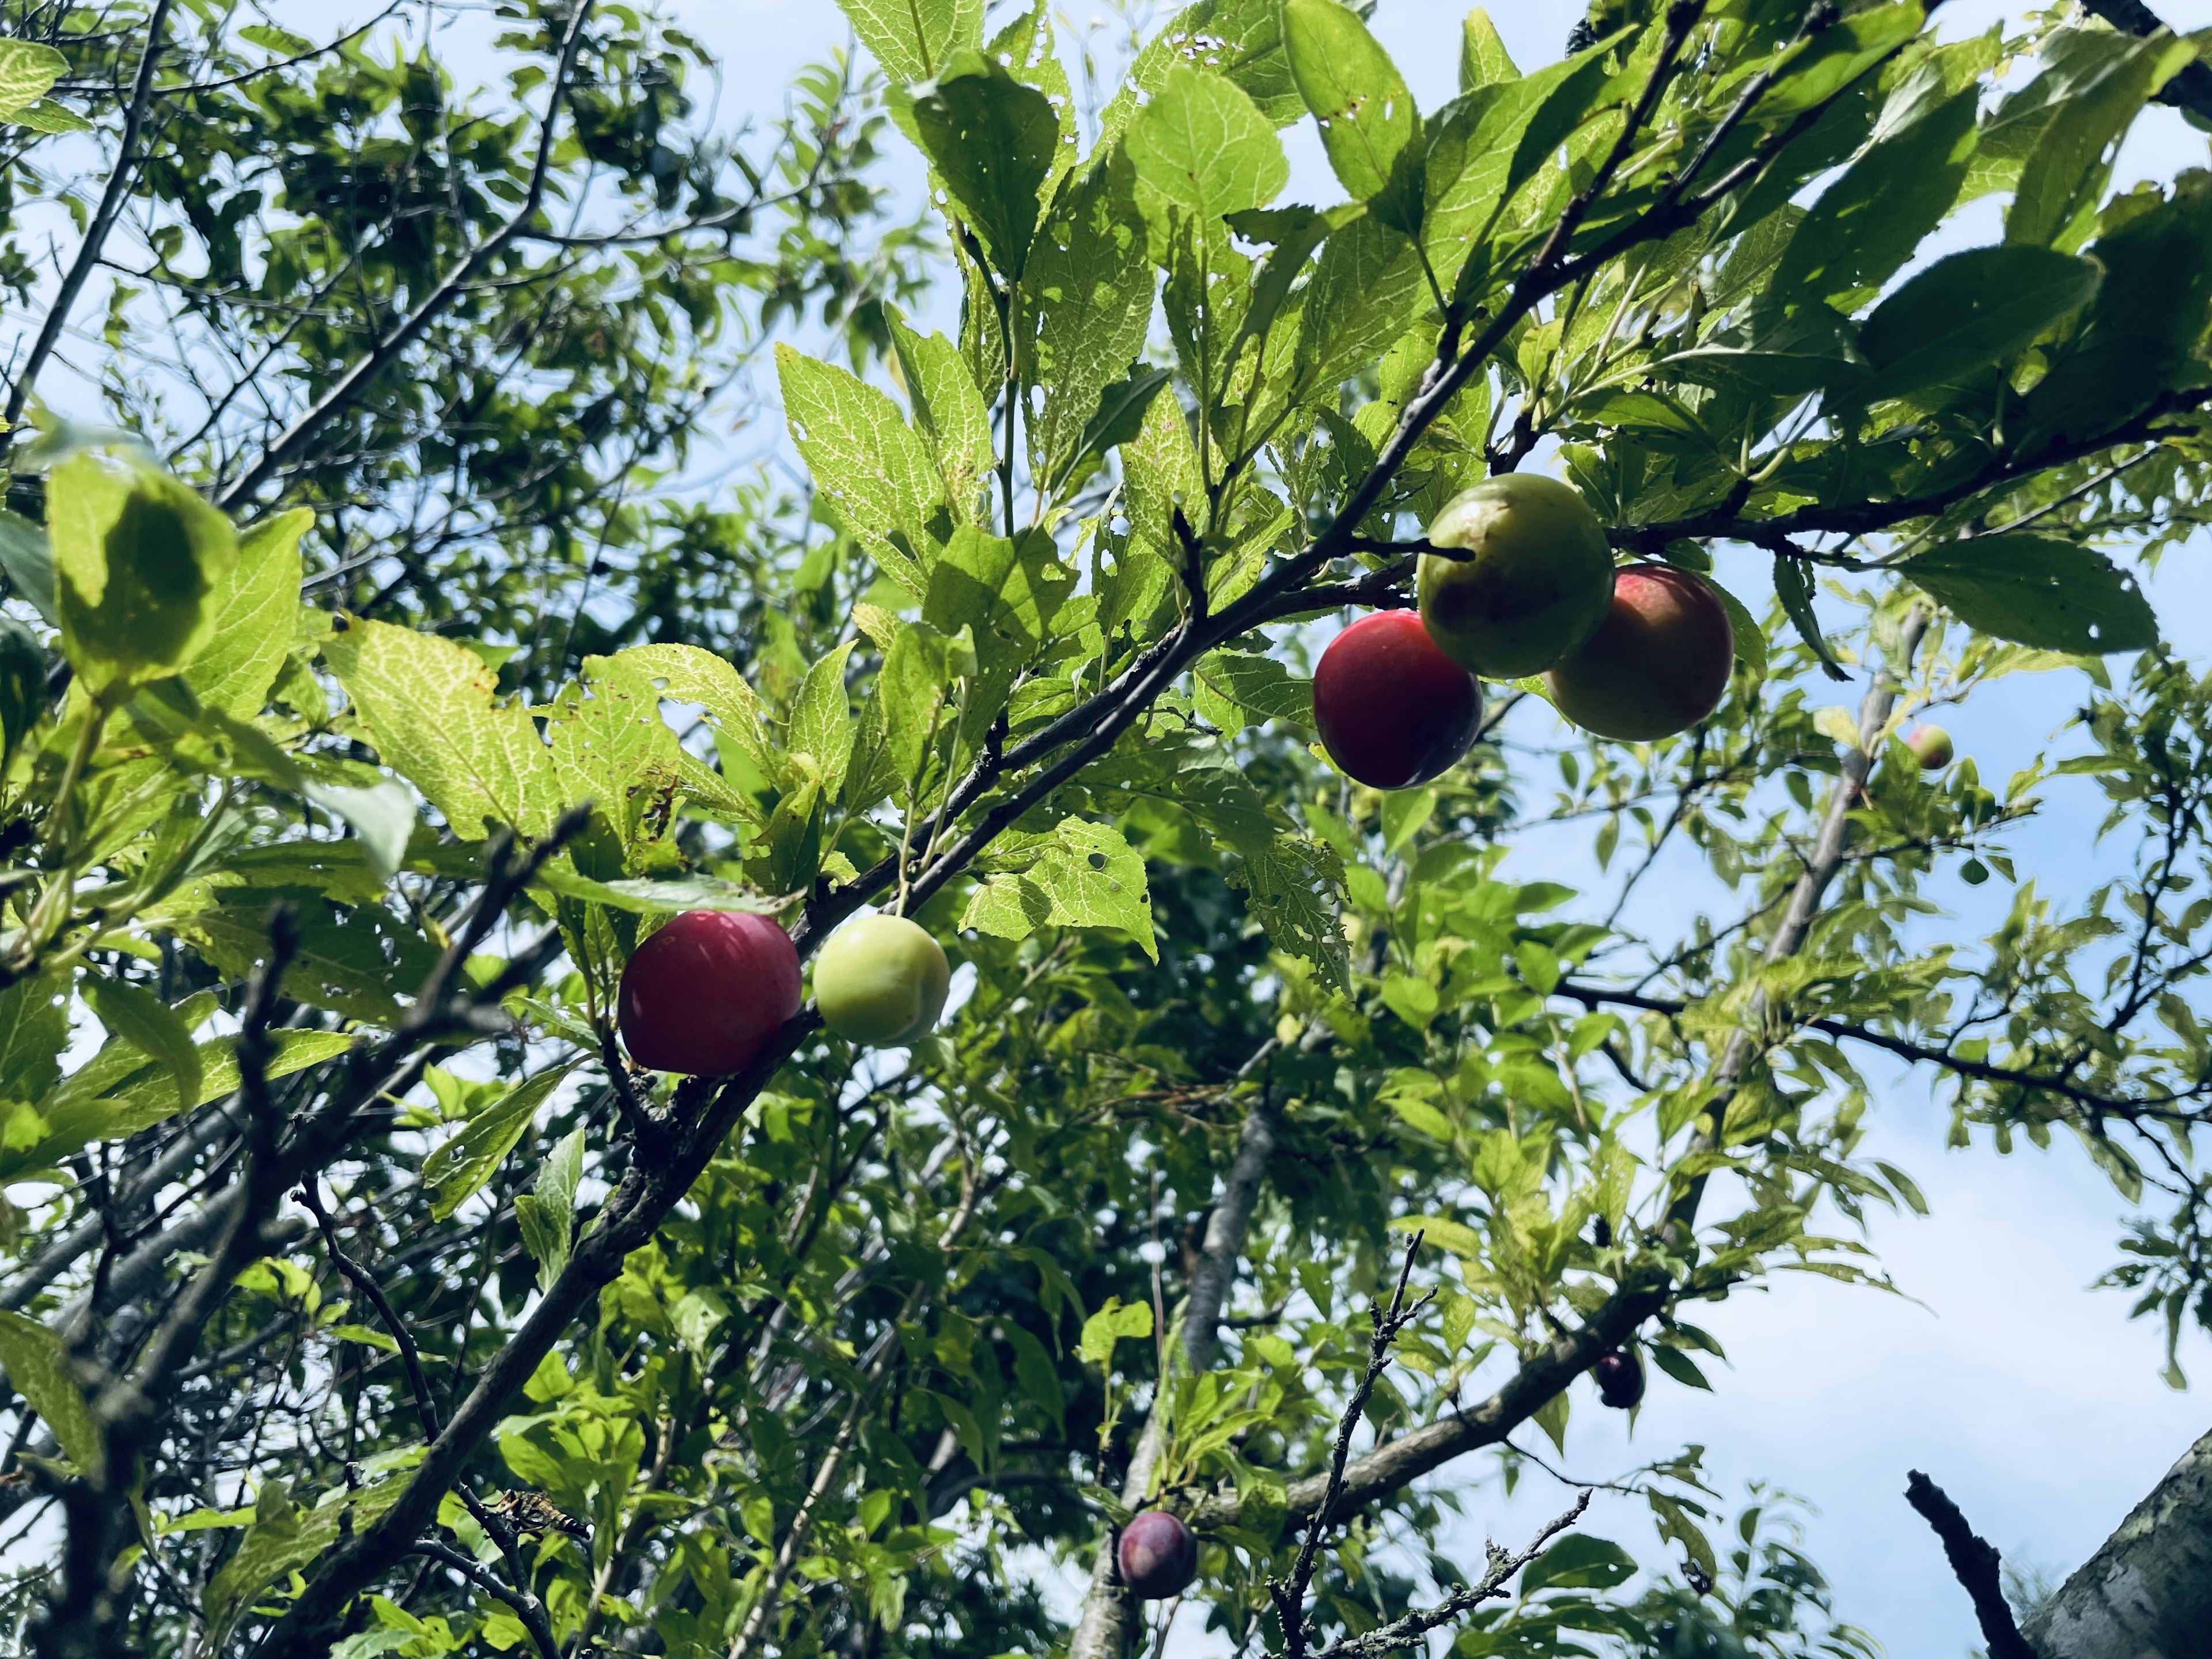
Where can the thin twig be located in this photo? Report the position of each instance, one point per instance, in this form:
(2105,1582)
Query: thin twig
(1974,1562)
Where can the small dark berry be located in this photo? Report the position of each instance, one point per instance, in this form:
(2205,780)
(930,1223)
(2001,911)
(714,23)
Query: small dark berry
(1619,1378)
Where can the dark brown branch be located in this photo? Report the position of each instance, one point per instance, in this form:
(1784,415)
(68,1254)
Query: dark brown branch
(526,1608)
(103,218)
(349,385)
(1974,1563)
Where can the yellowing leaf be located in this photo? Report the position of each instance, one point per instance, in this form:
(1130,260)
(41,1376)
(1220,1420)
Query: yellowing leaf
(431,708)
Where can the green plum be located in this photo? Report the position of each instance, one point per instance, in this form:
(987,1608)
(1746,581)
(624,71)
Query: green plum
(1535,583)
(881,981)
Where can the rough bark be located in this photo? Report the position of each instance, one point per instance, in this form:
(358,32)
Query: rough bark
(2147,1592)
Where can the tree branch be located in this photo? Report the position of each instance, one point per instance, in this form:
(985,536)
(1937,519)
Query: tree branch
(234,495)
(526,1607)
(103,220)
(1974,1562)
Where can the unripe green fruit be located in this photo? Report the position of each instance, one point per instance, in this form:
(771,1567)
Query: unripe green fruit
(1931,747)
(1535,587)
(881,981)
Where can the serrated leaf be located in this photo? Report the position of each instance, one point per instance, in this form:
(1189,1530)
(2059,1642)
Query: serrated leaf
(612,747)
(1109,1326)
(686,673)
(912,38)
(457,1168)
(269,1552)
(1237,688)
(432,710)
(1579,1561)
(1794,589)
(1679,1366)
(382,816)
(1483,58)
(2066,171)
(139,558)
(254,602)
(36,1362)
(2038,590)
(1743,628)
(1092,281)
(949,411)
(647,896)
(150,1025)
(549,1223)
(1981,306)
(1092,878)
(821,719)
(27,558)
(1118,419)
(48,117)
(1358,100)
(1202,144)
(1364,292)
(874,473)
(993,141)
(28,70)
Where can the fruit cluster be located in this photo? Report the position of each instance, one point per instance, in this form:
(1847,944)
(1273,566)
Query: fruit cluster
(1523,583)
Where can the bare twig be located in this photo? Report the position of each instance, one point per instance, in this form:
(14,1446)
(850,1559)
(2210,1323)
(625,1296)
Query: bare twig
(1975,1564)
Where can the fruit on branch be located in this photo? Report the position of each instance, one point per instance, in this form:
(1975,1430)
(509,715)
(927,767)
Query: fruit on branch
(1536,581)
(1157,1555)
(1620,1379)
(1392,710)
(881,981)
(706,993)
(1931,747)
(1658,663)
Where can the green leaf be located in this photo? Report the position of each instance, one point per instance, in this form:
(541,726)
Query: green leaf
(141,558)
(1092,279)
(547,1213)
(949,411)
(2141,335)
(1234,688)
(1081,875)
(1984,306)
(913,38)
(27,558)
(2067,168)
(1203,145)
(36,1362)
(685,673)
(610,747)
(1483,58)
(1005,594)
(1358,100)
(1794,589)
(459,1166)
(1679,1366)
(875,475)
(821,719)
(1241,39)
(1867,224)
(432,710)
(382,816)
(1118,420)
(274,1548)
(648,896)
(1743,628)
(49,117)
(1109,1326)
(22,683)
(1364,291)
(993,141)
(28,72)
(255,604)
(1579,1561)
(2038,590)
(150,1025)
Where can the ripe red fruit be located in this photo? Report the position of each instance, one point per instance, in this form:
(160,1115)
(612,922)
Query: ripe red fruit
(1393,710)
(1619,1378)
(1158,1556)
(706,993)
(1931,747)
(1658,663)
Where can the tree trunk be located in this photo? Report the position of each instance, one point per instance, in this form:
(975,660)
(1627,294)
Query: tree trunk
(2147,1592)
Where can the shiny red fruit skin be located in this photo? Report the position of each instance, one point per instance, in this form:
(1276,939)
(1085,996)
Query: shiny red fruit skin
(1392,710)
(1158,1556)
(706,993)
(1620,1379)
(1658,664)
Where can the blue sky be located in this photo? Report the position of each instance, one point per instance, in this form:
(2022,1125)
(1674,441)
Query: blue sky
(2027,1395)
